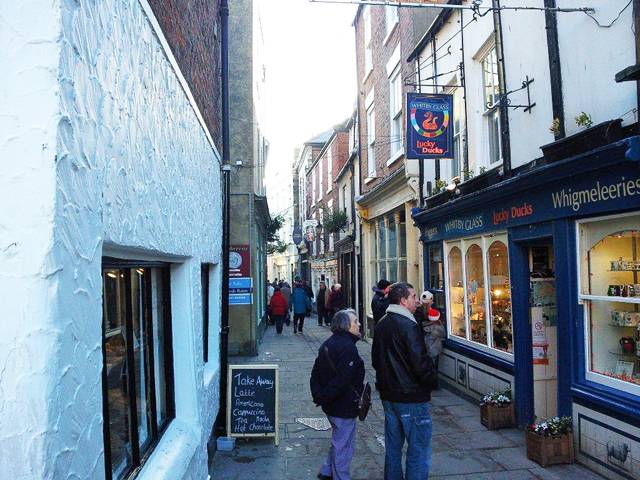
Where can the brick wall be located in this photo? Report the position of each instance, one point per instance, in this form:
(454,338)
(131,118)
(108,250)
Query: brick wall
(411,25)
(193,33)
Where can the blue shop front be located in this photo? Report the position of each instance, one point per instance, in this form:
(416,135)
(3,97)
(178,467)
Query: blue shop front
(538,278)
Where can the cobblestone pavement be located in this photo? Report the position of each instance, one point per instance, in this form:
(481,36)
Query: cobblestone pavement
(462,447)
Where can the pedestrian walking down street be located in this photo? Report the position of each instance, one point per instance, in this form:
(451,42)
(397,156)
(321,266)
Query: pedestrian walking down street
(321,300)
(380,302)
(405,376)
(286,293)
(336,300)
(300,305)
(278,308)
(336,383)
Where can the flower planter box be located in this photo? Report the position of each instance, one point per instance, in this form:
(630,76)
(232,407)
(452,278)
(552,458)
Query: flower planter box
(494,417)
(550,450)
(584,141)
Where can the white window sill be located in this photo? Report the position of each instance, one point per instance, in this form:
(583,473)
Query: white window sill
(367,75)
(484,348)
(393,29)
(395,157)
(369,179)
(173,454)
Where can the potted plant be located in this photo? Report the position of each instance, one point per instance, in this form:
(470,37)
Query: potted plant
(591,137)
(550,441)
(496,410)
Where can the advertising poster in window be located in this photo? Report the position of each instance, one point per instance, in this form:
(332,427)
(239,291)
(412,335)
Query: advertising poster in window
(429,125)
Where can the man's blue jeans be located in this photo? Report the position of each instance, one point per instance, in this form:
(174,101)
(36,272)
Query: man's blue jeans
(410,421)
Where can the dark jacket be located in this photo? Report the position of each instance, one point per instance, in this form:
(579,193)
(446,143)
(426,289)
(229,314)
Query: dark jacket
(404,371)
(379,304)
(336,301)
(321,299)
(337,391)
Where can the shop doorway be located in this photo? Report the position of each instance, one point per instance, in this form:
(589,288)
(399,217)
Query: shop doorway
(543,321)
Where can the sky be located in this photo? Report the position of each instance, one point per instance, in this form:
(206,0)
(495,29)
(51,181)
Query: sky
(309,55)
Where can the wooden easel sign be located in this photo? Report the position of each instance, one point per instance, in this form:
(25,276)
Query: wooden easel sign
(252,401)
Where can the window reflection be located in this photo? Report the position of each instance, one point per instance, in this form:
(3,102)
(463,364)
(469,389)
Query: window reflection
(456,293)
(475,293)
(500,293)
(115,312)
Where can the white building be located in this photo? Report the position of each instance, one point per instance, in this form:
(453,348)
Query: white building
(110,217)
(531,249)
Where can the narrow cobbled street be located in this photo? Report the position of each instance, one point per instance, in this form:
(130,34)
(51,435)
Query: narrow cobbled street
(462,447)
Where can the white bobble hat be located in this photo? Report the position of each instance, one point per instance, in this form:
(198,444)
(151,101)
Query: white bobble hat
(426,296)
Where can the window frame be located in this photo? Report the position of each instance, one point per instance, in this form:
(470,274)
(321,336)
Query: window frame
(585,299)
(205,272)
(485,240)
(139,456)
(329,170)
(391,14)
(492,115)
(371,141)
(400,257)
(368,40)
(395,114)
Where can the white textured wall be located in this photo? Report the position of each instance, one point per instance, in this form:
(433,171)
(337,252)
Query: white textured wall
(28,114)
(121,163)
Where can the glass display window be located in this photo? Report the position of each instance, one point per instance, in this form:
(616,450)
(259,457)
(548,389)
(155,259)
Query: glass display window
(609,271)
(476,313)
(474,269)
(500,296)
(456,292)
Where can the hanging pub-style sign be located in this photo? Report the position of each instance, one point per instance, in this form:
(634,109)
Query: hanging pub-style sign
(429,125)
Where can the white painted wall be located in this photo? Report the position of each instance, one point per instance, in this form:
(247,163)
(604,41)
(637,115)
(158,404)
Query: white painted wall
(109,157)
(590,57)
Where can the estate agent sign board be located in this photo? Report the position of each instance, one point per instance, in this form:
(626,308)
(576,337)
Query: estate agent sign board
(252,401)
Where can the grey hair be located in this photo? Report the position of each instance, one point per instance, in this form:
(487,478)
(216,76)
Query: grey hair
(342,321)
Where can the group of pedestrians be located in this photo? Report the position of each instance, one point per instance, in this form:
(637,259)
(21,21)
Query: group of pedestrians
(405,376)
(328,302)
(285,302)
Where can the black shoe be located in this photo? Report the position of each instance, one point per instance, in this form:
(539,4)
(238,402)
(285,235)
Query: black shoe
(324,477)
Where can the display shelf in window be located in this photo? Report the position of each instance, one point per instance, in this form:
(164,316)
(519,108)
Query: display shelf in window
(610,291)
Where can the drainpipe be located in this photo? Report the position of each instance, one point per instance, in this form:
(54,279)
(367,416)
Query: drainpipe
(226,189)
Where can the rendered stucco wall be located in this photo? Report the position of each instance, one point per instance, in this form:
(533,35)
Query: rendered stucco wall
(29,54)
(120,166)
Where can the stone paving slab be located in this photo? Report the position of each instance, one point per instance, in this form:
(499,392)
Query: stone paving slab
(463,449)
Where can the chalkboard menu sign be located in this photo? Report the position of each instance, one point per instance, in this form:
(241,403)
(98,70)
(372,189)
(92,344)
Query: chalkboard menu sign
(252,401)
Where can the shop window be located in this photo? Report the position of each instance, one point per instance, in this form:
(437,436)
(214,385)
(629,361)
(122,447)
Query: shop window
(436,274)
(389,249)
(204,285)
(500,297)
(610,292)
(137,370)
(476,313)
(475,293)
(456,293)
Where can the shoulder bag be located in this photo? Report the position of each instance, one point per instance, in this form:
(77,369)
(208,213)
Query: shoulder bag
(364,398)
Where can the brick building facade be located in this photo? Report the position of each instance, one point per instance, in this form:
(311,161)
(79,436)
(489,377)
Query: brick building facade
(389,183)
(193,35)
(322,203)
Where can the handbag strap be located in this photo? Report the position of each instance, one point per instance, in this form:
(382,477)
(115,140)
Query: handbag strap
(333,367)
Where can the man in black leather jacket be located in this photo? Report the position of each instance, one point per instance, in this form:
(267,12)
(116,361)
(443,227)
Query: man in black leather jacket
(404,377)
(379,302)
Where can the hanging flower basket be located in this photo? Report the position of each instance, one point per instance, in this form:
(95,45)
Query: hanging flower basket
(550,442)
(497,410)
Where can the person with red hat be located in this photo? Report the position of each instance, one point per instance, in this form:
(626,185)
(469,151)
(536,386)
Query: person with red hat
(432,326)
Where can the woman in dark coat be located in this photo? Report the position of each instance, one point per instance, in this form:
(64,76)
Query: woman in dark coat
(336,384)
(321,300)
(336,300)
